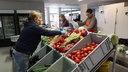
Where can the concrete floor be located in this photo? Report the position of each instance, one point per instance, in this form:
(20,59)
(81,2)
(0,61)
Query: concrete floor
(6,62)
(120,68)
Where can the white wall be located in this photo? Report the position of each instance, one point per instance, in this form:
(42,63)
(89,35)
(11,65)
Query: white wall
(21,5)
(83,12)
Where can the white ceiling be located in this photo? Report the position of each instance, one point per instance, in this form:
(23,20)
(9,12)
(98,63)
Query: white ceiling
(68,3)
(72,3)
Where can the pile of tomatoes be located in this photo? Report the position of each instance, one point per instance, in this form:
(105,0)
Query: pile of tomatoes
(59,45)
(79,55)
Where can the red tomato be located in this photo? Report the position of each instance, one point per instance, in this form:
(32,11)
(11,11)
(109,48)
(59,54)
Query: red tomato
(88,48)
(73,57)
(63,51)
(89,52)
(82,55)
(54,46)
(76,31)
(60,49)
(91,49)
(82,49)
(85,54)
(85,50)
(69,55)
(93,43)
(83,32)
(57,45)
(81,52)
(78,53)
(78,50)
(96,45)
(78,56)
(74,52)
(93,46)
(88,45)
(62,40)
(75,41)
(82,58)
(77,60)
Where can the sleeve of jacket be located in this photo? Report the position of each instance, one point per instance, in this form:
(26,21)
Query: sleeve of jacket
(46,32)
(92,23)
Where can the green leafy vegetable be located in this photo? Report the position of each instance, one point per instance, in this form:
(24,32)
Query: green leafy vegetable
(72,37)
(121,48)
(40,68)
(45,40)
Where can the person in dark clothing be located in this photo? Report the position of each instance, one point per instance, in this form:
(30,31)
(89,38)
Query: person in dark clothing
(65,22)
(29,39)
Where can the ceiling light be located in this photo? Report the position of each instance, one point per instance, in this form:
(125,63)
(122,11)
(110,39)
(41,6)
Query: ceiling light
(80,0)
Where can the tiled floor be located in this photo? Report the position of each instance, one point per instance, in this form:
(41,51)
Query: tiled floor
(5,60)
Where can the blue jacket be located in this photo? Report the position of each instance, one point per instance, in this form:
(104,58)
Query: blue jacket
(31,36)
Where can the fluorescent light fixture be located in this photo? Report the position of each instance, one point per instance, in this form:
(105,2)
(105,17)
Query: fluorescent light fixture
(80,0)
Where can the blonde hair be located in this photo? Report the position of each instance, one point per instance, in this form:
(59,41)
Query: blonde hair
(34,14)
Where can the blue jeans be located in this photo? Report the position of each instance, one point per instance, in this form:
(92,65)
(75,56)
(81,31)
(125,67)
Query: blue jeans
(21,60)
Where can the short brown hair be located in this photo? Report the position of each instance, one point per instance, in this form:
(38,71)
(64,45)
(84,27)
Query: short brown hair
(34,14)
(62,16)
(89,11)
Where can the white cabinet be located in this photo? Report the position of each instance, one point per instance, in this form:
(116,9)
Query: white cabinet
(112,19)
(122,23)
(107,19)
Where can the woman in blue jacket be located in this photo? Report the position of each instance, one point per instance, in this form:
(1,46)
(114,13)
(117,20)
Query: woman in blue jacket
(29,39)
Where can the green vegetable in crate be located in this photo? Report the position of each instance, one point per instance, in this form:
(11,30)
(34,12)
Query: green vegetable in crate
(121,48)
(47,65)
(40,68)
(45,40)
(72,37)
(114,39)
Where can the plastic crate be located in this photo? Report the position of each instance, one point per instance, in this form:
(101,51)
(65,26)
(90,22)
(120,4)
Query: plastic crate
(62,65)
(38,55)
(42,52)
(49,59)
(39,47)
(96,55)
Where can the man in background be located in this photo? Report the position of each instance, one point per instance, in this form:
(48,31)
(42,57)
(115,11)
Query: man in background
(29,39)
